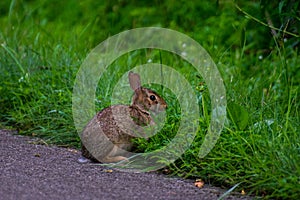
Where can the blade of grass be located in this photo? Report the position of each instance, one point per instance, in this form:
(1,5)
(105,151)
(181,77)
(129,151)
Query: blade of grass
(13,54)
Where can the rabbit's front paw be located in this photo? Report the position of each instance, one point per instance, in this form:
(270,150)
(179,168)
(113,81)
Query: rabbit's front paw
(83,160)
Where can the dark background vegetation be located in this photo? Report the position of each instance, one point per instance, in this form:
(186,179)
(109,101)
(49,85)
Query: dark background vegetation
(255,45)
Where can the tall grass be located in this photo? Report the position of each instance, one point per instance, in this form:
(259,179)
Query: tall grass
(42,49)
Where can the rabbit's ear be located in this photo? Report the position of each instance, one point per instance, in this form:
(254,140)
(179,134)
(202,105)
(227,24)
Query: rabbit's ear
(134,80)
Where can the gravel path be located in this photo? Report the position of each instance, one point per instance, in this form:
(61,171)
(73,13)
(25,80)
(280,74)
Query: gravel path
(31,171)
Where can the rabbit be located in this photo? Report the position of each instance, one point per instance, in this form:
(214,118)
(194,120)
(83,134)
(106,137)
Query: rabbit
(108,136)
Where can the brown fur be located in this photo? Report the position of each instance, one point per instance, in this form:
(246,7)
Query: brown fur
(110,132)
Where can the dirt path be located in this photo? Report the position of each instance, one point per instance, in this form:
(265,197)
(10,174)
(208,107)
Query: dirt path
(30,171)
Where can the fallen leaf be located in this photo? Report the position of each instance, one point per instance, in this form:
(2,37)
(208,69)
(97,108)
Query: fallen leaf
(166,171)
(108,170)
(243,192)
(37,155)
(72,150)
(199,183)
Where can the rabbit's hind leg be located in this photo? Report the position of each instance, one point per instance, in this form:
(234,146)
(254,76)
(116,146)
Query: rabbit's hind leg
(114,159)
(113,156)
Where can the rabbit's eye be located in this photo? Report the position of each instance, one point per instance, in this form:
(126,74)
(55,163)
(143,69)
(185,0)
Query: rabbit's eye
(152,97)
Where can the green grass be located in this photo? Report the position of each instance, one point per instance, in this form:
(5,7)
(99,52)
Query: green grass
(42,48)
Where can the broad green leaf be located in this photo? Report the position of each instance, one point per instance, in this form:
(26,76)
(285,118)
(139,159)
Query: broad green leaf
(238,115)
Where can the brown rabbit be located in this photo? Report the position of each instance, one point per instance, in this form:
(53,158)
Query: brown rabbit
(107,137)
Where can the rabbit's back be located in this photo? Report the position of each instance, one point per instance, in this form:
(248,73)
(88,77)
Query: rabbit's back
(115,123)
(108,128)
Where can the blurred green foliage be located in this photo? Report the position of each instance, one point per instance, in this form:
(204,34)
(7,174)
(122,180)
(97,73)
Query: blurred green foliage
(93,21)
